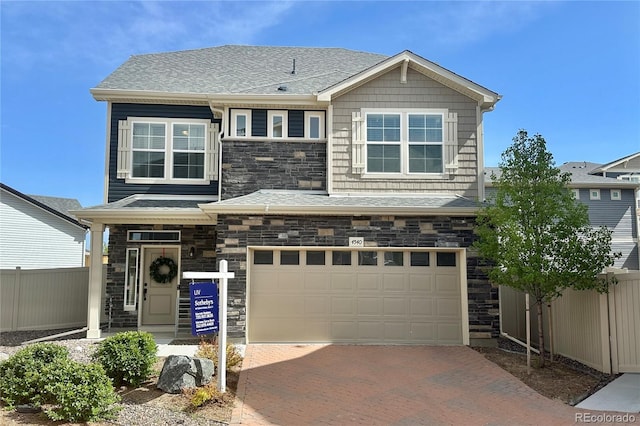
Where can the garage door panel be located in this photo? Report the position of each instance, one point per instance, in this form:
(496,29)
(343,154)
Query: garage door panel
(342,281)
(316,281)
(317,305)
(355,303)
(369,306)
(368,281)
(394,282)
(422,283)
(343,306)
(395,306)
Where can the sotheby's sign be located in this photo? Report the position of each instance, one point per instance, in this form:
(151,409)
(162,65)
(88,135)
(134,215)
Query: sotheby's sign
(204,308)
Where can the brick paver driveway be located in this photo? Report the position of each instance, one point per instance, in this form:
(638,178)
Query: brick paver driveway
(385,385)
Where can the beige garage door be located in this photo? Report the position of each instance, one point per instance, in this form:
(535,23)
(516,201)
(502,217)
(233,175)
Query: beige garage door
(355,296)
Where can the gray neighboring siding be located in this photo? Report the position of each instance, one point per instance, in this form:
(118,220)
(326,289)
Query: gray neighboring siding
(118,188)
(386,91)
(617,215)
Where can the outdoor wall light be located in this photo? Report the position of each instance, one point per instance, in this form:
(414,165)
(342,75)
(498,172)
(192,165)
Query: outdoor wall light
(192,251)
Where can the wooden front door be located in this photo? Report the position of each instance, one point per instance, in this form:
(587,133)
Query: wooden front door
(159,299)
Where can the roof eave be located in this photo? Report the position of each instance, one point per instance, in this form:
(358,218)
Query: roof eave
(144,216)
(290,210)
(115,95)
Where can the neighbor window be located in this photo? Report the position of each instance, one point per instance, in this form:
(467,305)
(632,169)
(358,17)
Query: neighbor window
(616,194)
(594,194)
(576,193)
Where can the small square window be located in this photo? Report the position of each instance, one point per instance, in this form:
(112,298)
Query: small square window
(315,258)
(263,258)
(446,259)
(594,194)
(368,258)
(290,257)
(419,258)
(341,257)
(393,258)
(576,193)
(616,194)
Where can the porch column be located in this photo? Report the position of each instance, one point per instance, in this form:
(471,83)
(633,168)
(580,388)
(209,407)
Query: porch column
(95,282)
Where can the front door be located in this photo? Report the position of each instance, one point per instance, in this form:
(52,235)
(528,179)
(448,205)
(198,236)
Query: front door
(159,298)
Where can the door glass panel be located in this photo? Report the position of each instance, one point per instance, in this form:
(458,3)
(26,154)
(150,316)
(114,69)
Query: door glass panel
(367,258)
(315,258)
(290,257)
(341,257)
(263,257)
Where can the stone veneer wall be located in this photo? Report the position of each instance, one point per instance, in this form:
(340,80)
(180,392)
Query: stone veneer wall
(236,232)
(248,166)
(201,237)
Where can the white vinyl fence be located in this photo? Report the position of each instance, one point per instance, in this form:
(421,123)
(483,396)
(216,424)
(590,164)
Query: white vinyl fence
(601,331)
(41,299)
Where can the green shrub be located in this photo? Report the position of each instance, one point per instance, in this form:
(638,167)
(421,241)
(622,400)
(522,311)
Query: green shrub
(202,395)
(128,357)
(23,374)
(210,351)
(80,393)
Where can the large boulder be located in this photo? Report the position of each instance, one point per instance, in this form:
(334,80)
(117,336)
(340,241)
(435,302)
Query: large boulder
(183,372)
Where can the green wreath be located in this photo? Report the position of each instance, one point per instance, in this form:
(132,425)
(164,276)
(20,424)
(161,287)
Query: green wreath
(158,265)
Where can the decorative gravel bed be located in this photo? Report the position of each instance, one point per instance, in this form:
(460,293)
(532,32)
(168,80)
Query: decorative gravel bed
(133,413)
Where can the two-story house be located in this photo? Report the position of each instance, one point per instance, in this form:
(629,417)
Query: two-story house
(340,186)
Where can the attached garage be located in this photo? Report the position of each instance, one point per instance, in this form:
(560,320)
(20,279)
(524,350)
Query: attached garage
(365,296)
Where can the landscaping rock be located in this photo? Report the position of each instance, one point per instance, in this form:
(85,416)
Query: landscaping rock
(3,356)
(183,372)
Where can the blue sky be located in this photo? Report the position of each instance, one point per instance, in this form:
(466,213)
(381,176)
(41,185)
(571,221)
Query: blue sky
(567,70)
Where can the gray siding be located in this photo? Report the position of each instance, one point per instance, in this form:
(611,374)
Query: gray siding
(386,91)
(34,238)
(118,188)
(617,215)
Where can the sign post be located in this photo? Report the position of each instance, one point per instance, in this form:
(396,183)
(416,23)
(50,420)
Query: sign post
(223,277)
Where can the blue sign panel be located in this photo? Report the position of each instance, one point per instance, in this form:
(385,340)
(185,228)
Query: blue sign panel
(204,308)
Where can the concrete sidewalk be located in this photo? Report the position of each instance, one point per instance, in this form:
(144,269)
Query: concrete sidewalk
(622,394)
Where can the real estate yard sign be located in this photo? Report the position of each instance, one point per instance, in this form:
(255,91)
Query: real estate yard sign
(204,308)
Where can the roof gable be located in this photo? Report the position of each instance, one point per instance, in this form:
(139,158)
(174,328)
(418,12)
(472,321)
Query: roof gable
(629,163)
(485,97)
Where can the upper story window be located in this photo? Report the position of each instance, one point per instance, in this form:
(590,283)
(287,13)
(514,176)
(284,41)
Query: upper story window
(404,143)
(616,194)
(594,194)
(576,193)
(159,150)
(276,124)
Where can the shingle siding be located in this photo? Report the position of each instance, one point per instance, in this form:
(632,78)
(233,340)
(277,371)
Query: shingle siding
(387,91)
(118,188)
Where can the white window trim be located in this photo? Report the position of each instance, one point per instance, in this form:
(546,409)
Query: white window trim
(576,193)
(127,284)
(618,197)
(594,194)
(234,117)
(271,114)
(168,150)
(404,142)
(307,124)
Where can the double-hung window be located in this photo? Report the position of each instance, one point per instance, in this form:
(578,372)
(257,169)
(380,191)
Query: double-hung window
(154,150)
(404,143)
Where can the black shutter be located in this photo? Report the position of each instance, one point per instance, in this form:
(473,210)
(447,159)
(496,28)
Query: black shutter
(296,124)
(259,122)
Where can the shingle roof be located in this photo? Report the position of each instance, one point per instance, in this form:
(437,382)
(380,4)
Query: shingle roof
(580,175)
(281,201)
(60,207)
(235,69)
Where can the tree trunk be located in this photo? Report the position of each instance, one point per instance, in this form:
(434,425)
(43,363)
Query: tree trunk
(540,334)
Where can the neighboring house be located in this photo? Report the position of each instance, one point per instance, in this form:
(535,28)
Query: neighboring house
(38,232)
(341,187)
(611,193)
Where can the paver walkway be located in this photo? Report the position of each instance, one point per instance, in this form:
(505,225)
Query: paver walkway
(385,385)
